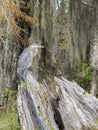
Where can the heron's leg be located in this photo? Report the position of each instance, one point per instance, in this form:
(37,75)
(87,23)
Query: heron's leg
(25,72)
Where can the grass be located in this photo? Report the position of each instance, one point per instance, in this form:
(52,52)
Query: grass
(9,120)
(8,111)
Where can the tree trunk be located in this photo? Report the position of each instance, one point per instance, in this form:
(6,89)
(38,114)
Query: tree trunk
(8,61)
(44,33)
(94,54)
(84,16)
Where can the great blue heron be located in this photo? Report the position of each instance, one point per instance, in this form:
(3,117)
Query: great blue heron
(25,60)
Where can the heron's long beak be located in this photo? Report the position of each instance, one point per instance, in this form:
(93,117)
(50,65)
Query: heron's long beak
(39,46)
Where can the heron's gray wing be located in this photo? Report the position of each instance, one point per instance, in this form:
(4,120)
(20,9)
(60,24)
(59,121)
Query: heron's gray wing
(25,59)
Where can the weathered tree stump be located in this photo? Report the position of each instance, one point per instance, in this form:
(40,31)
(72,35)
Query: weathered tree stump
(40,109)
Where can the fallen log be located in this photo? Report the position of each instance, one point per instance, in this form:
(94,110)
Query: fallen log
(70,109)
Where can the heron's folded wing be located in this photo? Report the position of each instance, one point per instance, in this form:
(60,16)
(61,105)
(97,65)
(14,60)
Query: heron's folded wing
(25,60)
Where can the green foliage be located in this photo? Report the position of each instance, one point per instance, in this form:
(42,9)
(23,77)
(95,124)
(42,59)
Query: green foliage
(96,121)
(81,73)
(8,112)
(85,92)
(9,120)
(18,81)
(51,128)
(67,5)
(26,85)
(40,113)
(45,118)
(93,128)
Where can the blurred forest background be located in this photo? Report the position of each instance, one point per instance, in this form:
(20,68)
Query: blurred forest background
(69,32)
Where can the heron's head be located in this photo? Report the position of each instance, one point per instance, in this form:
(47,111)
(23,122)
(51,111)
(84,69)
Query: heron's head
(34,48)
